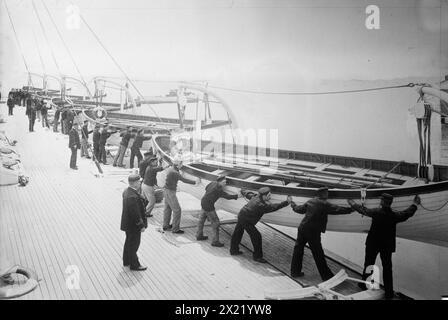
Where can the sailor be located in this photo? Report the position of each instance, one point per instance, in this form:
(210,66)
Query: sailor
(10,103)
(135,148)
(70,119)
(169,193)
(85,139)
(44,113)
(145,162)
(74,144)
(213,191)
(150,182)
(105,134)
(381,236)
(133,222)
(30,112)
(126,136)
(57,114)
(64,123)
(314,223)
(96,142)
(248,217)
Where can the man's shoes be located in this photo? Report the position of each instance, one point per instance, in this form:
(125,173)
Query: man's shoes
(126,265)
(148,215)
(179,231)
(168,228)
(200,238)
(74,168)
(114,165)
(260,260)
(89,157)
(217,244)
(139,268)
(236,253)
(297,275)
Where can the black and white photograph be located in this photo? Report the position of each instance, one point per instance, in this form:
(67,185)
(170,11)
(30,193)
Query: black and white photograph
(229,152)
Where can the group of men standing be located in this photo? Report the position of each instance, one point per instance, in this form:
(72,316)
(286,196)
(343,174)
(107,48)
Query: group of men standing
(380,239)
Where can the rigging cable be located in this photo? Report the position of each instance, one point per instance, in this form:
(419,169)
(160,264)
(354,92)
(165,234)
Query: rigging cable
(410,85)
(117,65)
(17,40)
(38,50)
(65,45)
(46,38)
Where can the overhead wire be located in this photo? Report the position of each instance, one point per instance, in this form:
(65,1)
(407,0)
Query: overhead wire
(17,39)
(46,38)
(65,45)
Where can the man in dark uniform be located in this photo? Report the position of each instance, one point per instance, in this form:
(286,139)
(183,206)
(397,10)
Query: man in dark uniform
(57,114)
(169,193)
(149,184)
(126,136)
(64,124)
(105,134)
(135,148)
(74,144)
(314,223)
(44,113)
(30,112)
(85,139)
(10,103)
(248,217)
(96,142)
(133,222)
(145,163)
(381,237)
(213,191)
(70,119)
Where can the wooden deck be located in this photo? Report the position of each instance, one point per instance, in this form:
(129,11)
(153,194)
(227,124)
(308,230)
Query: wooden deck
(65,220)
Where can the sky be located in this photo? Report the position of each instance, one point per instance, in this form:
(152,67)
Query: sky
(286,40)
(281,46)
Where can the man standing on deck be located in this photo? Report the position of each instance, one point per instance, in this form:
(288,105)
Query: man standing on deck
(57,114)
(133,222)
(10,103)
(126,136)
(249,216)
(44,113)
(382,234)
(145,163)
(70,119)
(135,148)
(314,223)
(213,191)
(96,142)
(30,112)
(85,139)
(105,134)
(74,145)
(169,193)
(149,184)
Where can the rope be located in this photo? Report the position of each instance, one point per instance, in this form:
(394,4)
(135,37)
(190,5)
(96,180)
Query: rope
(410,85)
(434,209)
(38,50)
(17,38)
(46,38)
(64,43)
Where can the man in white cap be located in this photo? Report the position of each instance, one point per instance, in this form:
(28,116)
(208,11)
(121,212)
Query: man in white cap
(249,216)
(171,203)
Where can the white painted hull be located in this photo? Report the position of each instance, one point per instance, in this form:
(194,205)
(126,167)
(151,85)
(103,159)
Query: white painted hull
(424,226)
